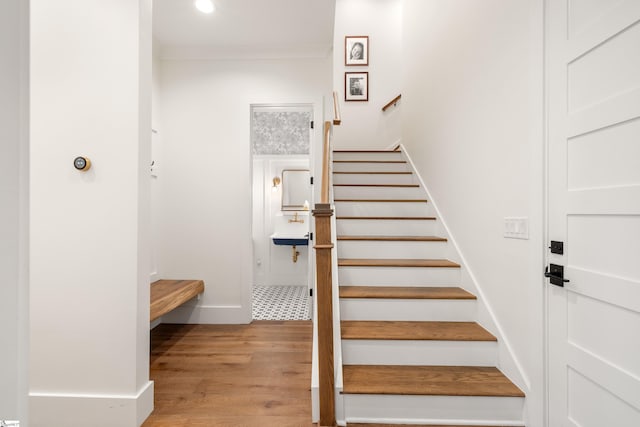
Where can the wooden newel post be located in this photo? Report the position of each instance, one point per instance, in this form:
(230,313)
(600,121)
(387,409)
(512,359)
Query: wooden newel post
(323,247)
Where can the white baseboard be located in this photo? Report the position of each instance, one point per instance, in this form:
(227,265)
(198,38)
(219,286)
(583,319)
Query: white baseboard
(85,410)
(209,315)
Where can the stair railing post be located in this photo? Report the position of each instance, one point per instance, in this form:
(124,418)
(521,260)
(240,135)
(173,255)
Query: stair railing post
(323,247)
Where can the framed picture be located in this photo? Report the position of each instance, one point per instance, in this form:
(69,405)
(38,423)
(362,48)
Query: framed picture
(356,86)
(356,50)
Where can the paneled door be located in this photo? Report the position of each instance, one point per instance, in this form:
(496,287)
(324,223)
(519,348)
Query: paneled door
(593,105)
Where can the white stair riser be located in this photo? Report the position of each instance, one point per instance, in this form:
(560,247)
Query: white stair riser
(400,409)
(370,167)
(407,309)
(383,209)
(387,155)
(378,193)
(339,178)
(382,250)
(398,276)
(400,352)
(356,227)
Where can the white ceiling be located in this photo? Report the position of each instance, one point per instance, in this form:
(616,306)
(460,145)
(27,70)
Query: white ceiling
(244,28)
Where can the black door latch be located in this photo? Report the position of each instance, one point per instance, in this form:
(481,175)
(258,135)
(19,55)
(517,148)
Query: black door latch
(556,275)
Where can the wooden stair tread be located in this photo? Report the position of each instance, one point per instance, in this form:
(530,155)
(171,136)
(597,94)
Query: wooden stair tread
(369,262)
(369,161)
(428,380)
(412,330)
(383,200)
(394,238)
(405,292)
(379,185)
(169,294)
(418,218)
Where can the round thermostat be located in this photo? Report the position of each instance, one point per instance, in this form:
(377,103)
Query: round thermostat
(82,163)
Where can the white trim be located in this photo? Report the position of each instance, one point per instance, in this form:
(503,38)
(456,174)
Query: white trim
(53,409)
(505,348)
(209,314)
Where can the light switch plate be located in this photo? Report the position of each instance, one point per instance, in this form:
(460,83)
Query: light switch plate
(516,228)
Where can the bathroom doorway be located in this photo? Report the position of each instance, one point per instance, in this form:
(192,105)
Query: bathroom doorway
(281,142)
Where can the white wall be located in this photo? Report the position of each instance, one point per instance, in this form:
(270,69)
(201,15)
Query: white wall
(13,316)
(89,257)
(472,122)
(273,265)
(363,123)
(205,177)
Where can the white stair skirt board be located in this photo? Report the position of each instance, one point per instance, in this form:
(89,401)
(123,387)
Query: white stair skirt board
(370,167)
(383,178)
(378,193)
(408,309)
(422,352)
(419,208)
(393,249)
(379,155)
(399,276)
(385,227)
(402,409)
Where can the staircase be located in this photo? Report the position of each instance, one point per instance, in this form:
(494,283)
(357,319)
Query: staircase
(412,350)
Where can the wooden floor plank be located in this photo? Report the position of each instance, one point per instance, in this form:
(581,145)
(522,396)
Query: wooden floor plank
(394,238)
(404,330)
(428,380)
(405,292)
(365,262)
(232,375)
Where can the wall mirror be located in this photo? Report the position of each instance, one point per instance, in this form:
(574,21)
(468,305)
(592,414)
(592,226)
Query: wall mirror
(296,189)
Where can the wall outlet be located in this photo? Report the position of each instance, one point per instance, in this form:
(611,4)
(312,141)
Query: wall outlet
(516,228)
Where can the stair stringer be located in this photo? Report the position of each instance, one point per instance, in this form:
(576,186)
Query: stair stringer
(507,361)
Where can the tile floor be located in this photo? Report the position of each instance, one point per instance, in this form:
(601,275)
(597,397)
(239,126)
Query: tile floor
(281,303)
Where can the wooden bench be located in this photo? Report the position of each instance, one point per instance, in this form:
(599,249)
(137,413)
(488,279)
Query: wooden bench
(169,294)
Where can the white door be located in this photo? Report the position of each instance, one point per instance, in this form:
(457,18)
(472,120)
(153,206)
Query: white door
(593,93)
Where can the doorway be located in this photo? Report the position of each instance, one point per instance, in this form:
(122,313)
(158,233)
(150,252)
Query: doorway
(594,214)
(281,142)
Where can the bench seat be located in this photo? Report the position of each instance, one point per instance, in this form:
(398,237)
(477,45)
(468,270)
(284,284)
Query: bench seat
(169,294)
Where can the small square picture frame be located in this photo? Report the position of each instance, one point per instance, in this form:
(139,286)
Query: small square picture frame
(356,50)
(356,86)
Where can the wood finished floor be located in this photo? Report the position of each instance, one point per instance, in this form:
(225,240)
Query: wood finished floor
(232,375)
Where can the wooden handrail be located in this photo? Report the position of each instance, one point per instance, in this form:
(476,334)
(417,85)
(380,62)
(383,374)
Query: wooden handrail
(392,102)
(336,110)
(326,152)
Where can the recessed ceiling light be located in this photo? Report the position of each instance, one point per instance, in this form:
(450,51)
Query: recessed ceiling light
(205,6)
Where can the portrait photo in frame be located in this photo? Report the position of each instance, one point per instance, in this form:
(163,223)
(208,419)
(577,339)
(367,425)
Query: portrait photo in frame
(356,50)
(356,86)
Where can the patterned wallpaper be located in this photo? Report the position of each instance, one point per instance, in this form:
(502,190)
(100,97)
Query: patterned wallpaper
(282,132)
